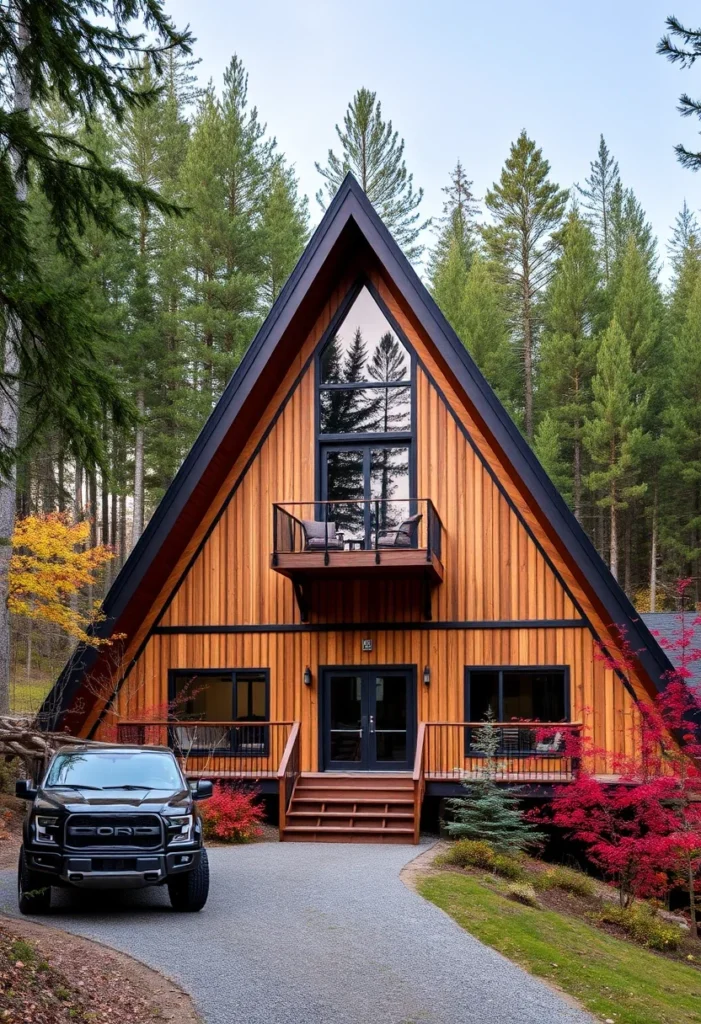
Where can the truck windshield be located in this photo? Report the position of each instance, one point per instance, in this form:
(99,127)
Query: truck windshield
(114,769)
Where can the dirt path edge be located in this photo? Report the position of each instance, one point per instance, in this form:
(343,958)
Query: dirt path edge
(173,1002)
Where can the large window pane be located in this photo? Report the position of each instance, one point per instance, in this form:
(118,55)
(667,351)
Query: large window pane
(345,489)
(345,736)
(535,696)
(251,696)
(205,697)
(364,348)
(389,484)
(484,695)
(365,410)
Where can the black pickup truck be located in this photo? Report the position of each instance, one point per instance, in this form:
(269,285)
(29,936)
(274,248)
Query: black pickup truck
(113,818)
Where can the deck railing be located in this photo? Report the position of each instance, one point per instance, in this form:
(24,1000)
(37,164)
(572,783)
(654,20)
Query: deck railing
(526,752)
(216,750)
(378,525)
(288,773)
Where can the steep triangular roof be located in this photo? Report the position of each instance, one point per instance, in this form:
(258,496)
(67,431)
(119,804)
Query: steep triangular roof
(349,216)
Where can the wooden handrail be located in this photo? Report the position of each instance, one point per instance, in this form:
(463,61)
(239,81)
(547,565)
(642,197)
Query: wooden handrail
(283,790)
(511,725)
(198,721)
(418,779)
(419,756)
(287,752)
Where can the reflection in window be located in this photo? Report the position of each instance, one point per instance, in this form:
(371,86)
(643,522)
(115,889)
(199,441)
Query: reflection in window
(364,410)
(364,348)
(513,694)
(345,482)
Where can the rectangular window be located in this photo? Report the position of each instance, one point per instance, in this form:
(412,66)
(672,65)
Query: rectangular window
(231,695)
(513,695)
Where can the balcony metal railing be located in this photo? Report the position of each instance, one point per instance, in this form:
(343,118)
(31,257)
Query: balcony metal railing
(378,525)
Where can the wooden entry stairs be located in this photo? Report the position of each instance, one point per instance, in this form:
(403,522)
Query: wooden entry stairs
(350,808)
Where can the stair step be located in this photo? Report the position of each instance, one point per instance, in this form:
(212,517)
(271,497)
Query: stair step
(375,830)
(362,799)
(404,815)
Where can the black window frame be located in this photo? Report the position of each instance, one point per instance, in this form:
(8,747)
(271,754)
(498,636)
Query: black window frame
(500,670)
(360,441)
(232,750)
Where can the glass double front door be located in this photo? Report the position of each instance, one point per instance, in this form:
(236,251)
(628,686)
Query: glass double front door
(368,721)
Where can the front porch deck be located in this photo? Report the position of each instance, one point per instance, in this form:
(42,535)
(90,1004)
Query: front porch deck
(534,755)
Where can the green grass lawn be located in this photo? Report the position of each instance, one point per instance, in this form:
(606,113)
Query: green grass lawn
(26,697)
(611,978)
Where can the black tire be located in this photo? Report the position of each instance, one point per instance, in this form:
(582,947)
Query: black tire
(33,892)
(188,892)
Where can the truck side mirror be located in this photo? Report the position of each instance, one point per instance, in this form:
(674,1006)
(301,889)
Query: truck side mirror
(24,791)
(203,790)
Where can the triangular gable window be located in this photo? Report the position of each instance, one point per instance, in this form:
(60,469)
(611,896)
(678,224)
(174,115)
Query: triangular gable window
(364,375)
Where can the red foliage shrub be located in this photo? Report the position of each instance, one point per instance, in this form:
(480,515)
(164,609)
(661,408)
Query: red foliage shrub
(232,814)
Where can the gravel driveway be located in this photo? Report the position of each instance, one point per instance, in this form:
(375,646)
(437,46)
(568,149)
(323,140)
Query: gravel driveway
(315,934)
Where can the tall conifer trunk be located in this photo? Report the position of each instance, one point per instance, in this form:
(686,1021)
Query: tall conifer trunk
(653,554)
(9,416)
(137,526)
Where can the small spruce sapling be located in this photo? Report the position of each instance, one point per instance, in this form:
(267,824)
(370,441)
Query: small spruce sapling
(488,811)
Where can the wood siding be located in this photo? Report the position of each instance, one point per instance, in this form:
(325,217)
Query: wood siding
(500,566)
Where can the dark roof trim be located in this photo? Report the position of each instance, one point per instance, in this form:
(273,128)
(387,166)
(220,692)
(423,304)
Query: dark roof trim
(351,204)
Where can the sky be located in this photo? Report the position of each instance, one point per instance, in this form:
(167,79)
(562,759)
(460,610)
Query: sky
(460,80)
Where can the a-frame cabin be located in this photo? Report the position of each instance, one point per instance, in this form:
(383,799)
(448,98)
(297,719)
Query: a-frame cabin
(358,557)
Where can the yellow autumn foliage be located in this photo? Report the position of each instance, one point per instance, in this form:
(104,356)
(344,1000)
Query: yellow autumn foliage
(50,565)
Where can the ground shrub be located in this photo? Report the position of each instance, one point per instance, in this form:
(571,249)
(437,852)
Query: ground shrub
(523,892)
(474,853)
(559,877)
(643,925)
(233,814)
(508,867)
(469,853)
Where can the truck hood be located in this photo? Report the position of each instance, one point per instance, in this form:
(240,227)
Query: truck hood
(76,800)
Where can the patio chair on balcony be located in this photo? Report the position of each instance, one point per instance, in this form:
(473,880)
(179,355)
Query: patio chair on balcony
(321,536)
(405,536)
(551,745)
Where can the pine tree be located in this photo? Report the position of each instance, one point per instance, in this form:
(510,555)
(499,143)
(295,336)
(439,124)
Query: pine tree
(483,328)
(682,46)
(456,230)
(489,811)
(681,527)
(374,153)
(568,352)
(613,435)
(528,209)
(598,194)
(547,445)
(685,234)
(285,228)
(230,152)
(628,222)
(449,283)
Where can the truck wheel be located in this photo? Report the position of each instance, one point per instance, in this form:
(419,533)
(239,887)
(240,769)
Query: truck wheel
(33,894)
(189,891)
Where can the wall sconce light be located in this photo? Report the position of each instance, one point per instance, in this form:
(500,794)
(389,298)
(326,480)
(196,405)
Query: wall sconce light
(307,676)
(427,676)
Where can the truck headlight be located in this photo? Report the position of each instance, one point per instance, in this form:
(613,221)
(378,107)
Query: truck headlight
(46,829)
(180,830)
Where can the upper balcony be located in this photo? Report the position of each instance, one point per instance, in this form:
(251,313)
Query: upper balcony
(376,538)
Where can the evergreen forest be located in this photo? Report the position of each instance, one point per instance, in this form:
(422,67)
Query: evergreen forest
(151,280)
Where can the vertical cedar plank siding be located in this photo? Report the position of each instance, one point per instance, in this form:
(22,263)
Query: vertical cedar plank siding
(494,571)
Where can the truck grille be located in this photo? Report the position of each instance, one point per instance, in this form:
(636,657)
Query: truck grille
(142,831)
